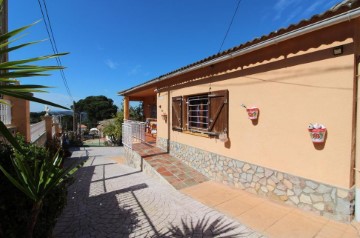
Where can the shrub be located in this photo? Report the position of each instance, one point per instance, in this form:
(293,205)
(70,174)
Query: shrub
(15,207)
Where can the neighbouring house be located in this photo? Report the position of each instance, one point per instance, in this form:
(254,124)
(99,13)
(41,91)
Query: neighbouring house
(15,114)
(291,82)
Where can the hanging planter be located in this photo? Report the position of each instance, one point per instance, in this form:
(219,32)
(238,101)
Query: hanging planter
(317,132)
(253,113)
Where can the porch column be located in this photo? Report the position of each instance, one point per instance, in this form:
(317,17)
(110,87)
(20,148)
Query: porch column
(126,108)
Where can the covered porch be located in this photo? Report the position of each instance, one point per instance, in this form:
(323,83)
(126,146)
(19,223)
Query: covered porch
(141,150)
(144,130)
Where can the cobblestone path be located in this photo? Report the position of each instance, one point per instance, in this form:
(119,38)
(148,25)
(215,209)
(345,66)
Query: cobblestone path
(113,200)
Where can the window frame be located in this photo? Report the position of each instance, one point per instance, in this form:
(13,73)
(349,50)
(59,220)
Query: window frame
(217,115)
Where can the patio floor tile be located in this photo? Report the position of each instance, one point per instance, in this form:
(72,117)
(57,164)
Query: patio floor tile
(175,172)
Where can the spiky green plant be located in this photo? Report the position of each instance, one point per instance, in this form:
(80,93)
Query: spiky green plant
(35,183)
(12,70)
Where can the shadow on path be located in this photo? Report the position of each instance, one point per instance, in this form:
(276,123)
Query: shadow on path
(112,200)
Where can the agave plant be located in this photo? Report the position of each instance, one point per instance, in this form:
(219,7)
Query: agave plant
(37,182)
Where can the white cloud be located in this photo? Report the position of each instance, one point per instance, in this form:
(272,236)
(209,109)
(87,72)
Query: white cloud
(295,13)
(312,7)
(111,64)
(136,70)
(284,6)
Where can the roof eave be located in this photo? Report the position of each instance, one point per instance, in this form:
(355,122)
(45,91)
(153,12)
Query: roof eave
(327,22)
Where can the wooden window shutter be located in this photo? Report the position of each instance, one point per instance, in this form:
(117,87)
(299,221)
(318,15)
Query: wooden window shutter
(218,111)
(177,113)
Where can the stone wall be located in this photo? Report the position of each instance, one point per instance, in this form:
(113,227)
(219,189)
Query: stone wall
(326,200)
(162,143)
(134,160)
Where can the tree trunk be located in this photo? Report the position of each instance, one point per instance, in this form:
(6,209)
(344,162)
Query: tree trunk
(33,219)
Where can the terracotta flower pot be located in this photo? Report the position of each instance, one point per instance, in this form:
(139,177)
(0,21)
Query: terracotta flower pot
(317,135)
(253,113)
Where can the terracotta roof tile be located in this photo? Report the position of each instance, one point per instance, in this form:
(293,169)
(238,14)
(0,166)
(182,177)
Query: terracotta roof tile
(336,10)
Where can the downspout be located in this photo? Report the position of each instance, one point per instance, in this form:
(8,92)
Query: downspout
(357,129)
(168,121)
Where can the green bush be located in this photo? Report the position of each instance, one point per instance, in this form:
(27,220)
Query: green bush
(15,207)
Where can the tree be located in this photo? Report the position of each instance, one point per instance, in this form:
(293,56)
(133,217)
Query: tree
(98,108)
(35,117)
(136,112)
(113,128)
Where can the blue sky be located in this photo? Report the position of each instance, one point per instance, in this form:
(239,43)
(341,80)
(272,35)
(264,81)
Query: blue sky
(117,44)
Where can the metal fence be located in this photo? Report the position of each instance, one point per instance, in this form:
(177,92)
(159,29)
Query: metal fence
(37,130)
(5,112)
(133,131)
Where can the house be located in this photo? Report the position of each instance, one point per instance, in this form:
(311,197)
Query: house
(294,79)
(14,112)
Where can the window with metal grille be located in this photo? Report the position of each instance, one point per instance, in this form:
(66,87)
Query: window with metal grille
(198,112)
(205,113)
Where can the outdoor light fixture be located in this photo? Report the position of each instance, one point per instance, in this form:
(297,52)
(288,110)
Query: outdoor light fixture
(338,50)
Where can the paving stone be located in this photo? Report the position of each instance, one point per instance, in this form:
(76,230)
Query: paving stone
(246,167)
(287,183)
(289,192)
(316,198)
(311,184)
(305,199)
(342,193)
(308,190)
(128,203)
(295,199)
(268,172)
(320,206)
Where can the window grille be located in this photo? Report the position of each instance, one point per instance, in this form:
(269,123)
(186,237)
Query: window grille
(198,112)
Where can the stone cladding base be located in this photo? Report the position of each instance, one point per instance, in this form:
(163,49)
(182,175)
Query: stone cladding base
(323,199)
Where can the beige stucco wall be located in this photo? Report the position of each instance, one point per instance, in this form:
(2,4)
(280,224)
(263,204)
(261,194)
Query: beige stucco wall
(162,104)
(20,113)
(318,91)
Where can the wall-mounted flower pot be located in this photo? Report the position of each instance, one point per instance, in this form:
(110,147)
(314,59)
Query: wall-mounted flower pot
(317,135)
(253,113)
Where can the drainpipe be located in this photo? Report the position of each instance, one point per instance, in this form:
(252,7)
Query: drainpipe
(168,120)
(356,130)
(357,147)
